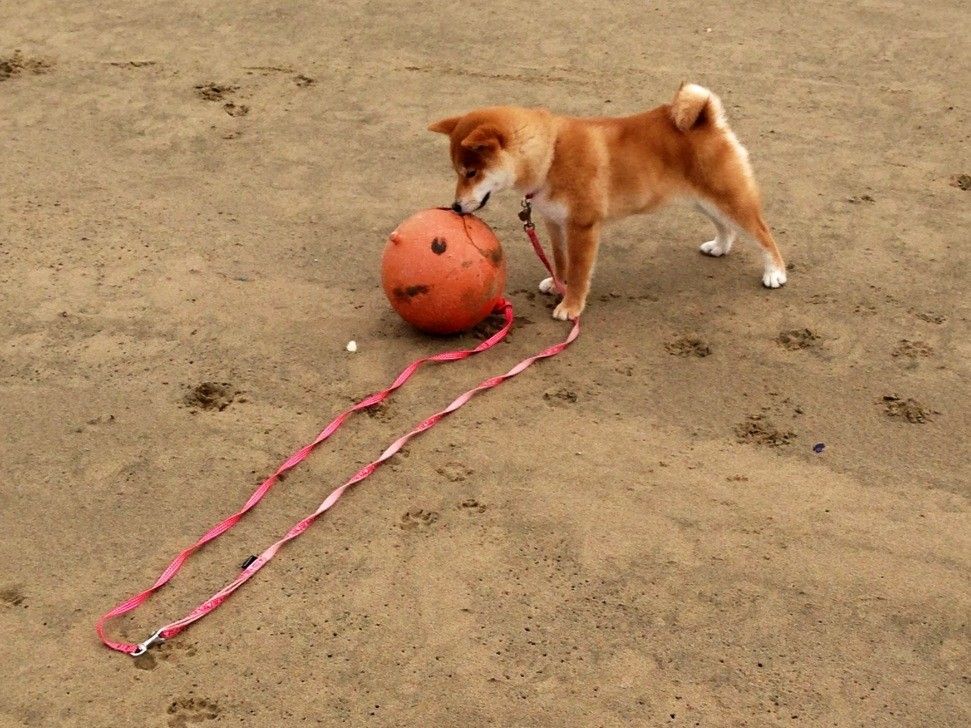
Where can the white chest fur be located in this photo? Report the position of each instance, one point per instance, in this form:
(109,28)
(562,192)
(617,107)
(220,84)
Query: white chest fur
(554,211)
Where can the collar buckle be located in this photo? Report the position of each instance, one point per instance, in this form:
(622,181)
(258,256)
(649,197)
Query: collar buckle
(526,214)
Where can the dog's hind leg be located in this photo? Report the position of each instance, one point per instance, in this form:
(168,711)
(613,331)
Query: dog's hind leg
(745,212)
(725,231)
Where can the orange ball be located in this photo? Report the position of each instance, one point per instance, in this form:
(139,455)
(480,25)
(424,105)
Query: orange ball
(443,272)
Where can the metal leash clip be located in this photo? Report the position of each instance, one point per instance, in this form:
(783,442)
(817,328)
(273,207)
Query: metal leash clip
(526,215)
(143,647)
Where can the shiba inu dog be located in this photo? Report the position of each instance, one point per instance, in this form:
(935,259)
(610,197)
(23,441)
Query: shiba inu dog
(582,172)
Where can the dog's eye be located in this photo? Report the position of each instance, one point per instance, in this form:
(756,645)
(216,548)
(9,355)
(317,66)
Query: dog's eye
(470,173)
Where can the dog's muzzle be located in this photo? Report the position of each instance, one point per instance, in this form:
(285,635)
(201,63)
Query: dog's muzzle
(460,208)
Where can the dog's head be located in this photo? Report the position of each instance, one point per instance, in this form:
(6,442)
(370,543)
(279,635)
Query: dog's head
(481,156)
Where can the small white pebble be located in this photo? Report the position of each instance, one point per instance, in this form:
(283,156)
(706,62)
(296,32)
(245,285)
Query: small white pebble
(352,346)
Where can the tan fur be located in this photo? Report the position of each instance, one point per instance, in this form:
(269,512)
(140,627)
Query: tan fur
(583,172)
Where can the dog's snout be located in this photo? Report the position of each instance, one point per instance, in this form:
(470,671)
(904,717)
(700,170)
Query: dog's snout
(457,207)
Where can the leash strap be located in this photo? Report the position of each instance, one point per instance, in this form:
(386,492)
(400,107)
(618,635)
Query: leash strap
(254,565)
(526,215)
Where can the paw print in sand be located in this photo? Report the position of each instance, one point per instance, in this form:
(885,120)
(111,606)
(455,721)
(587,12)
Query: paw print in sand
(472,505)
(417,518)
(185,711)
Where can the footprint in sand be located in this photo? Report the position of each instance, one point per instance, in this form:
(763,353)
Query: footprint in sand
(796,339)
(758,431)
(185,711)
(472,505)
(686,346)
(212,396)
(417,518)
(11,596)
(454,472)
(907,409)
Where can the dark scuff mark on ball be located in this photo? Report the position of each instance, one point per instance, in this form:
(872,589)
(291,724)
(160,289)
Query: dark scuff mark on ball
(495,255)
(410,292)
(438,246)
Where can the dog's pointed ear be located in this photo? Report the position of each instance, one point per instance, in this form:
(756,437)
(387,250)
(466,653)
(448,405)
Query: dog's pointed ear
(484,138)
(445,126)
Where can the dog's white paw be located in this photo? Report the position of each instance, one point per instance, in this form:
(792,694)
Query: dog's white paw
(547,286)
(774,278)
(714,248)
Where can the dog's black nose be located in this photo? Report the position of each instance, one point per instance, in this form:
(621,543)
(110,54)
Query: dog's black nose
(456,207)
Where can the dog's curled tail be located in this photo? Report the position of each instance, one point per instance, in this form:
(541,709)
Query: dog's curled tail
(695,106)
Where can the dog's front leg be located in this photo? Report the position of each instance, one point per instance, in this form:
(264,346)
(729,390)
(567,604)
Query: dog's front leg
(555,232)
(582,241)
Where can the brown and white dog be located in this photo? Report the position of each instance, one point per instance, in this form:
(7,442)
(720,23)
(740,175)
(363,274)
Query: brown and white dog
(583,172)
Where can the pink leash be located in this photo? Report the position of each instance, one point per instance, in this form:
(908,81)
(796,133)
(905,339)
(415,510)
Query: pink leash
(254,565)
